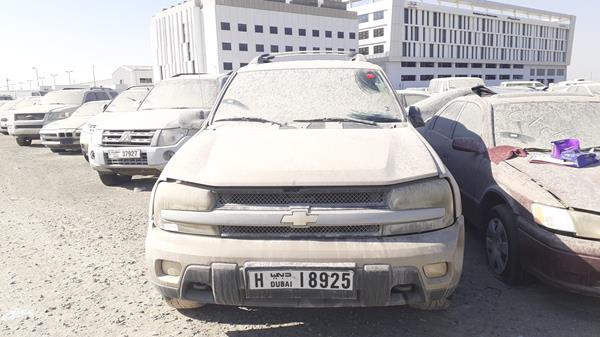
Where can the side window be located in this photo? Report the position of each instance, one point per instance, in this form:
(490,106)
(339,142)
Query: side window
(90,97)
(446,120)
(470,122)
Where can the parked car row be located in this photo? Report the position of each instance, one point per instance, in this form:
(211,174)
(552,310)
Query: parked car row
(302,180)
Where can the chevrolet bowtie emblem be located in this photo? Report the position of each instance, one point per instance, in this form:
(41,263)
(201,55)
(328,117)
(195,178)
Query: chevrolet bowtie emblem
(125,137)
(299,219)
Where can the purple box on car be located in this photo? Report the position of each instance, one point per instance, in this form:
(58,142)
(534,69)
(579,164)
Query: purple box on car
(564,145)
(580,159)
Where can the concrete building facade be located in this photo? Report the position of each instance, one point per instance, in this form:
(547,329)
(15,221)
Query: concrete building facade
(416,41)
(222,35)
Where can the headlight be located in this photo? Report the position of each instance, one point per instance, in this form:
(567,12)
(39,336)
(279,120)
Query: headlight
(583,224)
(58,115)
(170,137)
(180,197)
(422,195)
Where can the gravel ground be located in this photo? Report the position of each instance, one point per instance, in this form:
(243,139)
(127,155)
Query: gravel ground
(73,265)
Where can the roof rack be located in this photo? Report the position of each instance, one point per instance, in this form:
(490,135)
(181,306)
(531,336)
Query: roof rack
(186,74)
(268,58)
(483,91)
(73,88)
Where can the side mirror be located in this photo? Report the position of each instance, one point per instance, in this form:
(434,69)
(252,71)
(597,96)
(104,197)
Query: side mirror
(104,107)
(415,118)
(469,145)
(192,119)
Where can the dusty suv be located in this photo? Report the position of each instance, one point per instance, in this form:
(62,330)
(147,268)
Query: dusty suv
(55,105)
(306,187)
(142,142)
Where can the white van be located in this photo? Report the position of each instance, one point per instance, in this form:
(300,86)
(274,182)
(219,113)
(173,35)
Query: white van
(439,85)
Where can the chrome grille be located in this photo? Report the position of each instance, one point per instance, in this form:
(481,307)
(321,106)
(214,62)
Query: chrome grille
(286,232)
(29,126)
(30,117)
(329,199)
(143,160)
(127,138)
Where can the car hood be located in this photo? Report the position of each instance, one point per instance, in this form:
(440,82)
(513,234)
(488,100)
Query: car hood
(244,157)
(141,120)
(73,122)
(45,108)
(574,187)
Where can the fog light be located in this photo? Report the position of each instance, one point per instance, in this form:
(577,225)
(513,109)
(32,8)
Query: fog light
(170,268)
(92,155)
(168,155)
(435,270)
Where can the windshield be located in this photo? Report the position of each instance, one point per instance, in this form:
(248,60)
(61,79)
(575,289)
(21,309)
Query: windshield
(537,124)
(595,89)
(283,96)
(128,100)
(90,109)
(69,97)
(180,94)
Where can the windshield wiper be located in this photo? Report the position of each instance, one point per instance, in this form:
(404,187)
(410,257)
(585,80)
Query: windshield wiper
(536,149)
(247,119)
(589,148)
(339,120)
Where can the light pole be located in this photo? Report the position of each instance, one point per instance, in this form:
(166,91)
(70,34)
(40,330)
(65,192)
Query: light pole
(37,76)
(7,85)
(42,78)
(69,72)
(54,80)
(30,84)
(94,74)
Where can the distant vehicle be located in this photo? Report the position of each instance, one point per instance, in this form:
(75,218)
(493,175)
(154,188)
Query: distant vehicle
(590,89)
(63,135)
(541,219)
(523,84)
(424,89)
(439,85)
(7,110)
(6,98)
(128,100)
(422,111)
(53,106)
(410,97)
(142,142)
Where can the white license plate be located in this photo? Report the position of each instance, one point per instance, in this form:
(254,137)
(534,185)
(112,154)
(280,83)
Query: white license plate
(124,154)
(301,279)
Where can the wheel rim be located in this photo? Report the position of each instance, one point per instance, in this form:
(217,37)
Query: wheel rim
(496,243)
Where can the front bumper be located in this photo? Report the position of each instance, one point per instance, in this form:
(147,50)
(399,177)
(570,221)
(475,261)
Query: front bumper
(26,128)
(567,262)
(388,270)
(60,140)
(4,125)
(152,162)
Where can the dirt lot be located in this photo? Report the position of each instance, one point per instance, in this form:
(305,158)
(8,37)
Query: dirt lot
(73,265)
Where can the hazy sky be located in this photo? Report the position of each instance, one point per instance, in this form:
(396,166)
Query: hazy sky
(60,35)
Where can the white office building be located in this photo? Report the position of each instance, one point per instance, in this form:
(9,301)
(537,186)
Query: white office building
(416,41)
(130,75)
(223,35)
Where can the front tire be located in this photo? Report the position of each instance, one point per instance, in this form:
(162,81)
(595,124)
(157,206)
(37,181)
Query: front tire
(502,246)
(113,179)
(181,304)
(23,141)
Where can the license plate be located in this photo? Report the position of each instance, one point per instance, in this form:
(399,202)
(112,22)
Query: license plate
(124,154)
(301,279)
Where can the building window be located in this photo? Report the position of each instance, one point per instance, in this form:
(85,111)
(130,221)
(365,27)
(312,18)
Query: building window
(551,72)
(408,78)
(517,77)
(363,50)
(427,65)
(289,48)
(505,66)
(378,32)
(258,28)
(226,46)
(363,35)
(490,77)
(532,72)
(476,65)
(444,65)
(273,30)
(242,27)
(378,15)
(274,49)
(426,77)
(302,32)
(144,80)
(315,33)
(328,49)
(316,48)
(302,48)
(541,72)
(243,64)
(462,65)
(225,26)
(518,66)
(328,34)
(340,35)
(243,47)
(505,77)
(378,49)
(260,48)
(340,49)
(288,31)
(490,66)
(444,76)
(408,64)
(227,66)
(352,36)
(352,50)
(363,18)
